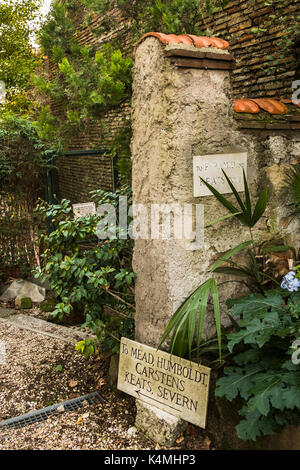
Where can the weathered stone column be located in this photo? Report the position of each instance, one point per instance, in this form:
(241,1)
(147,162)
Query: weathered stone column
(182,106)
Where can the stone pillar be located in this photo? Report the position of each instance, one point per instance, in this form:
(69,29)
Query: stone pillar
(182,106)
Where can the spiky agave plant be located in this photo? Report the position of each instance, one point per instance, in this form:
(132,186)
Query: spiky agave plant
(188,321)
(292,187)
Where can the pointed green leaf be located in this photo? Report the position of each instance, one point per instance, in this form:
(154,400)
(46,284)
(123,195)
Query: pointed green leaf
(237,196)
(260,207)
(217,314)
(247,196)
(221,198)
(271,249)
(202,310)
(230,253)
(221,219)
(232,271)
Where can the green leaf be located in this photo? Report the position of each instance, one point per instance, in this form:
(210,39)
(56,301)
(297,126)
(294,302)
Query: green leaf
(237,381)
(183,322)
(230,253)
(221,219)
(232,271)
(249,429)
(221,198)
(247,196)
(217,314)
(279,248)
(260,207)
(235,192)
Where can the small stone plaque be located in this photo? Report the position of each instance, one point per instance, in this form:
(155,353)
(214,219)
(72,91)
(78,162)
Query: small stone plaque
(209,167)
(86,208)
(178,386)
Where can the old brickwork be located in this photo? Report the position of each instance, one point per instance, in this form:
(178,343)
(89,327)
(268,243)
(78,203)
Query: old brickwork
(255,73)
(78,175)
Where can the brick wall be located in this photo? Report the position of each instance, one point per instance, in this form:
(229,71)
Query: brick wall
(78,175)
(255,74)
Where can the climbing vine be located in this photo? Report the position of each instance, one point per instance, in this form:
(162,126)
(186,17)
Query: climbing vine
(288,30)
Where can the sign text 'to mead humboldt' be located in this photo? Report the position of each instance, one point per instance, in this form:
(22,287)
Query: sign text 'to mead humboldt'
(175,385)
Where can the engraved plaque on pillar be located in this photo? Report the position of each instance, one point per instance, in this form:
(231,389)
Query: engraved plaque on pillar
(209,168)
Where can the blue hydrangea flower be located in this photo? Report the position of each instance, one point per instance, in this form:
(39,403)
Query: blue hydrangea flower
(290,282)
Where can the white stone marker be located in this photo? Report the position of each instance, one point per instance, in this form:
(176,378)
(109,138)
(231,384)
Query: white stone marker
(209,167)
(178,386)
(86,208)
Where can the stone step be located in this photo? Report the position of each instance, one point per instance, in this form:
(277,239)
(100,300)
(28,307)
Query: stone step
(62,333)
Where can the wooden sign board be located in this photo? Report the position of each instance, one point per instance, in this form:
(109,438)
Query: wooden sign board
(209,168)
(178,386)
(84,209)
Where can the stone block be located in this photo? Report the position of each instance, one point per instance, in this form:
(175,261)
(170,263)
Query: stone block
(113,371)
(24,289)
(159,426)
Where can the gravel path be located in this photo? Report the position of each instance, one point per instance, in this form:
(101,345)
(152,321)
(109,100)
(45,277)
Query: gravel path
(40,371)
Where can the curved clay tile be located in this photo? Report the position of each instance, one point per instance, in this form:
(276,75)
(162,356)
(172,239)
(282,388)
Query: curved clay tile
(189,39)
(161,36)
(205,41)
(270,105)
(180,39)
(288,101)
(245,106)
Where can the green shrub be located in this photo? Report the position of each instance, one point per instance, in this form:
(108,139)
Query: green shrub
(261,372)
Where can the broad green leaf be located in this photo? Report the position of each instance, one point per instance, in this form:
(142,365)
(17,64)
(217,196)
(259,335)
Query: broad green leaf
(249,429)
(237,381)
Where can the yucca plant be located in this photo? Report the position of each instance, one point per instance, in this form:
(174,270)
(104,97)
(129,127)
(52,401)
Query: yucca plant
(292,187)
(188,321)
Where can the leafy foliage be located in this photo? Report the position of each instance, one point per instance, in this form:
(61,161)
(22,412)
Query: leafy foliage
(290,24)
(190,318)
(18,60)
(23,158)
(89,275)
(292,187)
(86,83)
(244,214)
(176,16)
(261,372)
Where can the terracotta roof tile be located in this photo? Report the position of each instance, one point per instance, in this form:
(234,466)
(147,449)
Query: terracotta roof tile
(245,106)
(189,39)
(270,105)
(288,101)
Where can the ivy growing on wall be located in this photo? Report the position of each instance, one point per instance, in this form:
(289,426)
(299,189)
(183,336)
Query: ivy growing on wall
(287,24)
(176,16)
